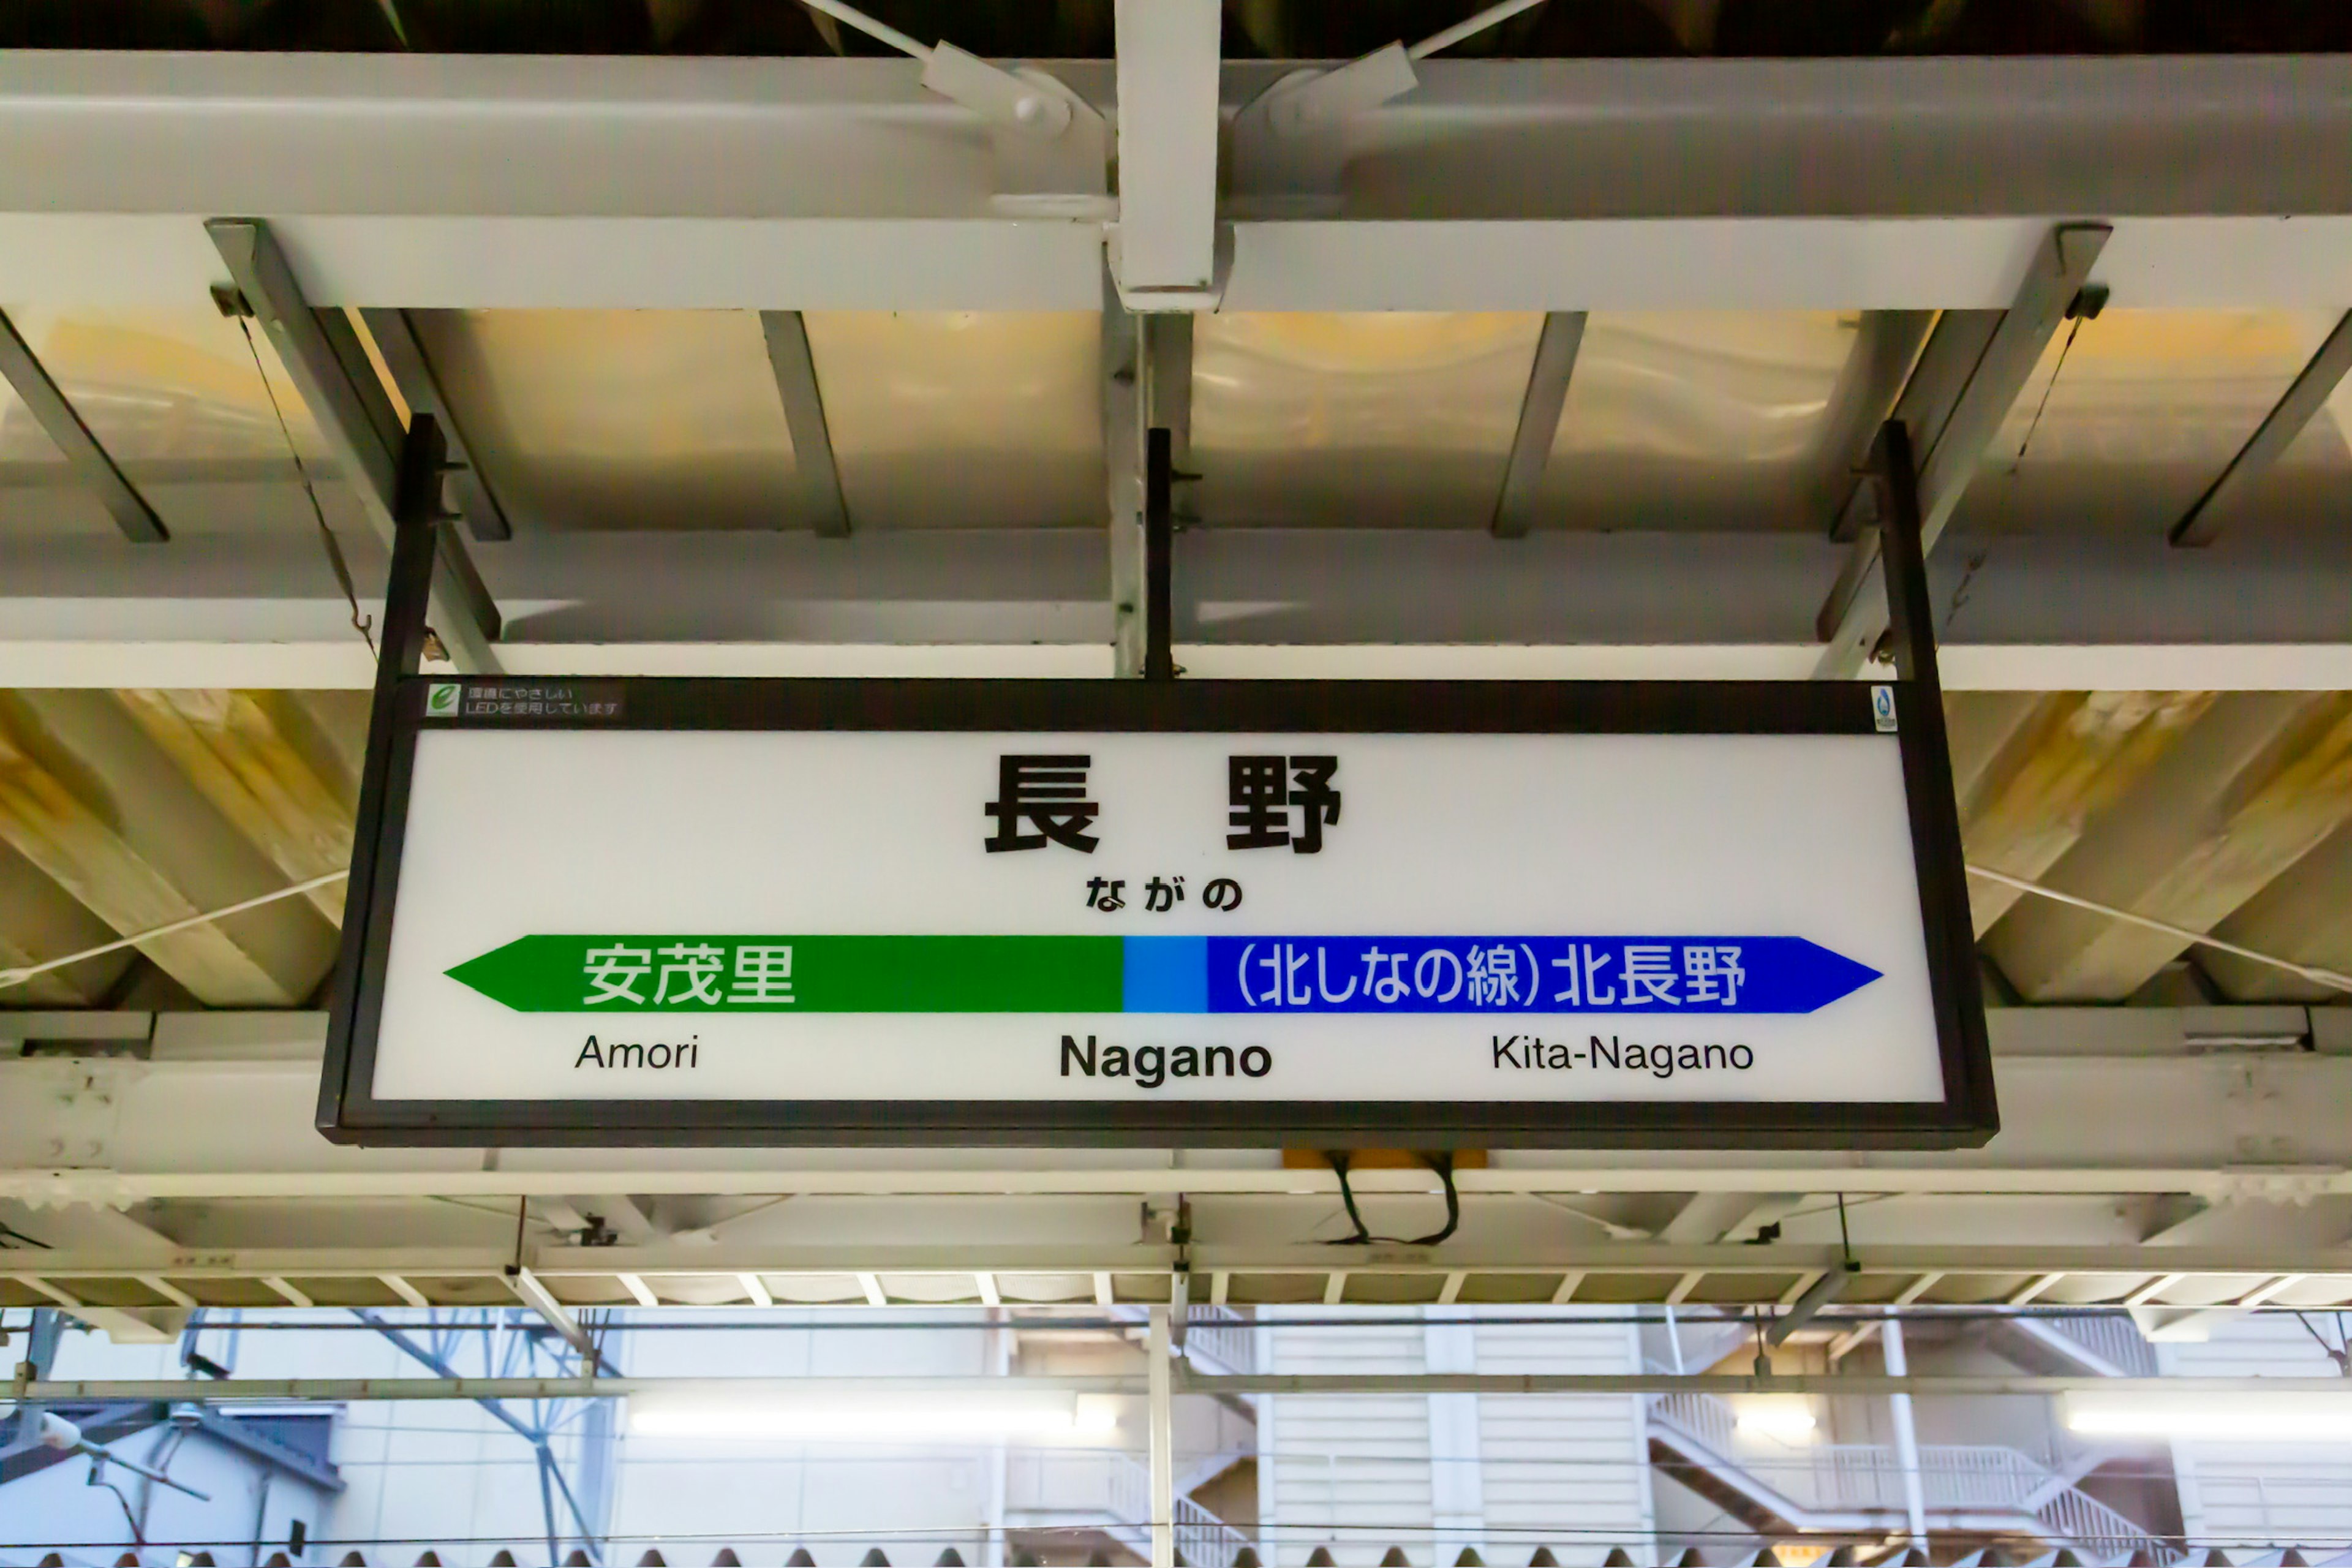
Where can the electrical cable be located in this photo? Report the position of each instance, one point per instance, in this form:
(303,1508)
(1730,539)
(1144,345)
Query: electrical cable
(2000,511)
(1442,1162)
(19,976)
(2340,1355)
(364,626)
(130,1520)
(2326,977)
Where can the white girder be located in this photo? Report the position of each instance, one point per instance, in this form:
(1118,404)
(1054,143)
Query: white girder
(2111,1116)
(442,182)
(2012,666)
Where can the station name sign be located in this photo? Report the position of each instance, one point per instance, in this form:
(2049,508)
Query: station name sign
(1424,914)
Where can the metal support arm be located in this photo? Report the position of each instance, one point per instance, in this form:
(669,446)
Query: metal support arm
(322,354)
(91,462)
(1966,381)
(2312,388)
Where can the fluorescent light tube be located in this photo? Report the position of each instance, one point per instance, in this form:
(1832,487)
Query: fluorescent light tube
(1786,1416)
(2248,1417)
(772,1414)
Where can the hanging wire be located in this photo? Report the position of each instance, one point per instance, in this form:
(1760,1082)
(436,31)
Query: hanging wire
(1442,1164)
(2326,977)
(1977,557)
(362,624)
(19,976)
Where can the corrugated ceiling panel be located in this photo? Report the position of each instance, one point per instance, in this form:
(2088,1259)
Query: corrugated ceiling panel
(1398,420)
(2079,755)
(964,418)
(39,921)
(38,493)
(173,396)
(1708,420)
(603,420)
(2306,915)
(2310,486)
(2126,429)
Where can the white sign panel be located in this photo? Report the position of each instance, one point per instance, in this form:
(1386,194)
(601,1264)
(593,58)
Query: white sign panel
(1155,930)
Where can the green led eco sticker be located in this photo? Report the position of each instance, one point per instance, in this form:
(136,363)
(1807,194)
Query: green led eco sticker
(441,701)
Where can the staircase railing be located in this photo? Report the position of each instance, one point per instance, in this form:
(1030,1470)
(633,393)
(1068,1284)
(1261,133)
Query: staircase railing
(1223,1336)
(2073,1514)
(1119,1490)
(1830,1478)
(2113,1338)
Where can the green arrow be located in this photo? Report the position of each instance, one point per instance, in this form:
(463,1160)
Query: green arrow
(640,973)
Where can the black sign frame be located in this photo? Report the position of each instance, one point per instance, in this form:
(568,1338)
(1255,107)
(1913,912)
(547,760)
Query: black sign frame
(1965,1116)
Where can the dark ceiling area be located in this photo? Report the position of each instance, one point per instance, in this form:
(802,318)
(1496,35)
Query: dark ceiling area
(1255,29)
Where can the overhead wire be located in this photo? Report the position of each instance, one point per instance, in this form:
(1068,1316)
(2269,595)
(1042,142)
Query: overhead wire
(20,975)
(1532,1533)
(364,626)
(2312,973)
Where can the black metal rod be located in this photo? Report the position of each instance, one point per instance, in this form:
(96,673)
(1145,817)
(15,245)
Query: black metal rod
(400,649)
(1909,614)
(1159,546)
(1927,770)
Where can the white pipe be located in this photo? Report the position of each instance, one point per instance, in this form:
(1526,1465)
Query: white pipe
(1164,1444)
(1907,1434)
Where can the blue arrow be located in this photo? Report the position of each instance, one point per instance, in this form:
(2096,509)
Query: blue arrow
(1621,975)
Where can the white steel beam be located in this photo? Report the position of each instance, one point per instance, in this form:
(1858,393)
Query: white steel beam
(1925,183)
(409,1294)
(419,382)
(360,1390)
(2095,1100)
(1164,246)
(365,1390)
(796,385)
(532,1293)
(1539,426)
(2086,612)
(2005,667)
(91,462)
(2309,394)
